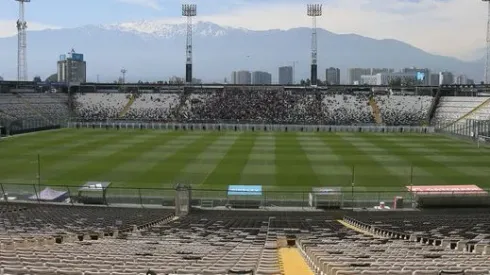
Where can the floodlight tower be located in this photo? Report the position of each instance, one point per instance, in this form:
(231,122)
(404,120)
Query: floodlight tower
(314,10)
(189,11)
(124,71)
(22,43)
(487,50)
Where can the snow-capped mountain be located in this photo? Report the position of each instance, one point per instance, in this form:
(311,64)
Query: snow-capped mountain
(155,50)
(163,29)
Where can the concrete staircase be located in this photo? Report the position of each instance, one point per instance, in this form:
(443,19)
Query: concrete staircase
(375,111)
(126,108)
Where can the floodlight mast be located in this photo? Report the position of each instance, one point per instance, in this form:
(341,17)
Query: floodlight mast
(22,43)
(314,10)
(124,71)
(487,49)
(189,11)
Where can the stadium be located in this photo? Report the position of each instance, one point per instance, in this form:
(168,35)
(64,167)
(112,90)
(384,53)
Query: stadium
(166,179)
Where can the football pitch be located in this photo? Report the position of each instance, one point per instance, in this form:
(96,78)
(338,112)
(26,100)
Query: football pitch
(214,160)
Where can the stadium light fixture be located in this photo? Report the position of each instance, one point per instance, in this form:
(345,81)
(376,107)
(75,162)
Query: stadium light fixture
(487,49)
(189,11)
(314,11)
(22,42)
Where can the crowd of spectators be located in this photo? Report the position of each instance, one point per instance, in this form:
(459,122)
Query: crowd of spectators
(254,106)
(232,105)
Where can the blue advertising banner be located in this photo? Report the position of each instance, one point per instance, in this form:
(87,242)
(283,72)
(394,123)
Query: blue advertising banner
(244,190)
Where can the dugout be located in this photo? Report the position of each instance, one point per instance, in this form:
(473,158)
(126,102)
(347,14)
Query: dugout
(244,196)
(93,192)
(325,197)
(449,196)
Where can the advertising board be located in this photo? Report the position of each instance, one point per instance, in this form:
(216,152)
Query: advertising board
(446,189)
(244,190)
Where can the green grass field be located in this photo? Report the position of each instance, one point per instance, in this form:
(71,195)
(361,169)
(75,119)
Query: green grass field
(278,161)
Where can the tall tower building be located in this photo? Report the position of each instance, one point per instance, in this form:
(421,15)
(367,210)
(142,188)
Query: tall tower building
(261,78)
(72,68)
(332,76)
(286,75)
(243,78)
(446,78)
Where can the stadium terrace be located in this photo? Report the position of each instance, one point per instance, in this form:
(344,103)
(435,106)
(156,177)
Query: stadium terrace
(225,179)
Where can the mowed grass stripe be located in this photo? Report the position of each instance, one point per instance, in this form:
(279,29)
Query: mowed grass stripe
(19,150)
(79,160)
(327,165)
(87,167)
(167,170)
(199,168)
(229,170)
(260,168)
(293,168)
(368,172)
(70,147)
(446,153)
(440,174)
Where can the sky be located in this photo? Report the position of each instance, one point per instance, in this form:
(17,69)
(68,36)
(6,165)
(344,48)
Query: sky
(447,27)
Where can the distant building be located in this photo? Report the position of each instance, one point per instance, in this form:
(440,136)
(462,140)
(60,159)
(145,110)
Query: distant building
(462,80)
(422,75)
(369,80)
(286,75)
(72,69)
(354,74)
(1,78)
(332,76)
(434,80)
(446,78)
(387,78)
(375,71)
(261,78)
(243,78)
(233,79)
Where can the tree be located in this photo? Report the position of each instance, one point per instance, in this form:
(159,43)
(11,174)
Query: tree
(37,79)
(395,82)
(409,82)
(305,82)
(52,78)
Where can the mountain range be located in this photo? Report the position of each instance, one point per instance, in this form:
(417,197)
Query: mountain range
(153,50)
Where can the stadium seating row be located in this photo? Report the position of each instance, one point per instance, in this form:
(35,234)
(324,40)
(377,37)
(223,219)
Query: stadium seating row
(227,241)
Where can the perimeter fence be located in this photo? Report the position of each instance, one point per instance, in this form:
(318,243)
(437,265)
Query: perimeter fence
(216,198)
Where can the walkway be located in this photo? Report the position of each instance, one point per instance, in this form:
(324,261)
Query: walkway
(292,262)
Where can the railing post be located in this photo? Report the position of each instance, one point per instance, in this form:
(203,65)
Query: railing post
(5,197)
(35,192)
(69,194)
(265,198)
(141,199)
(303,199)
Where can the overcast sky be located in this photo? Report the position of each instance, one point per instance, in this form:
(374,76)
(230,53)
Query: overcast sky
(447,27)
